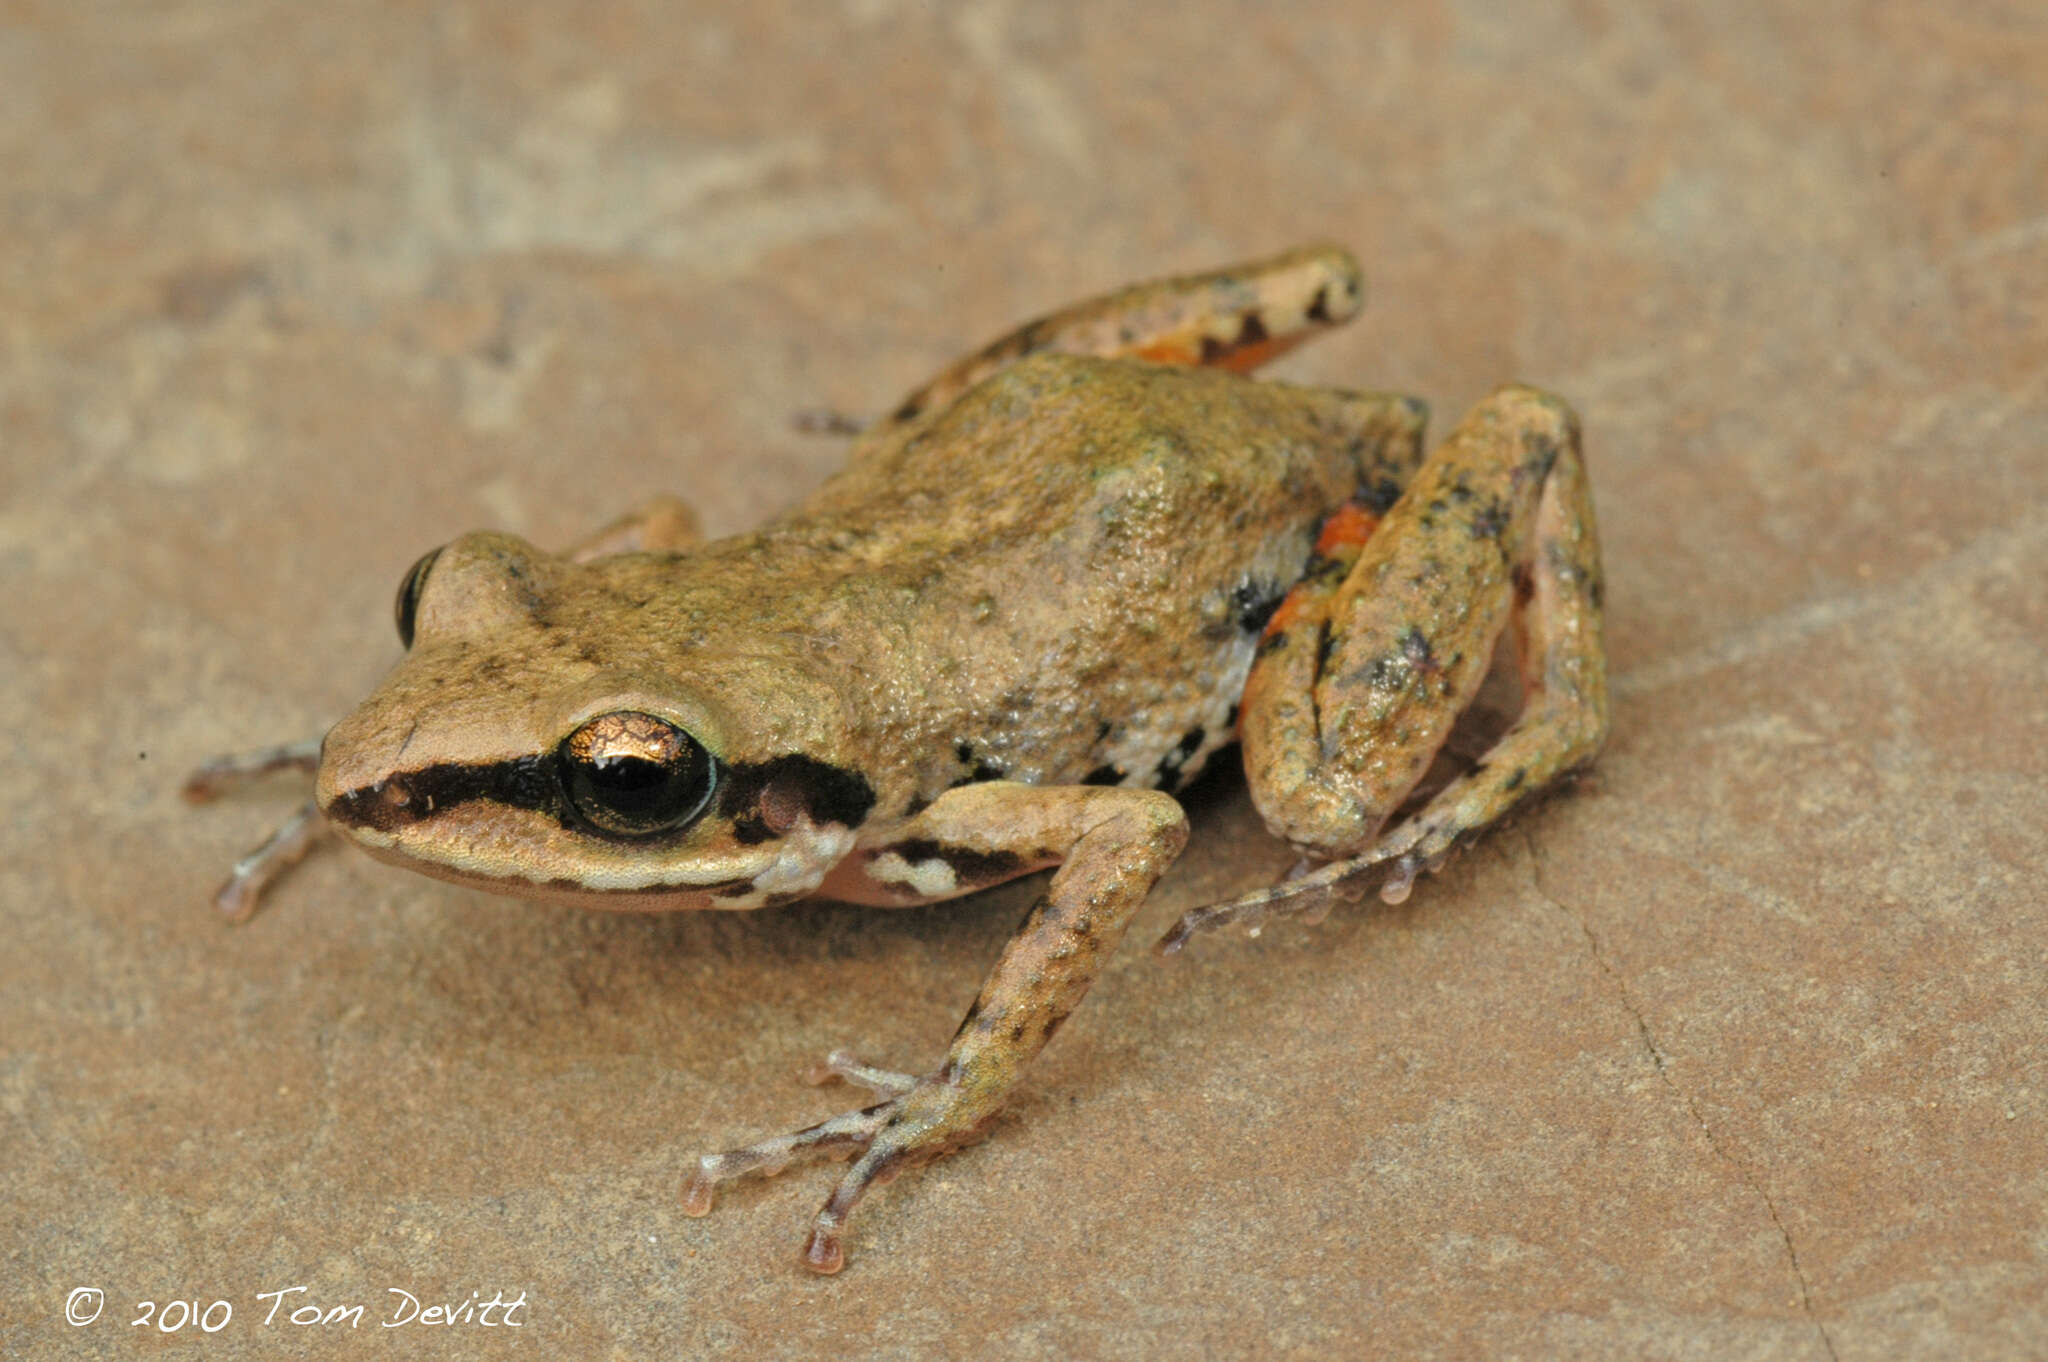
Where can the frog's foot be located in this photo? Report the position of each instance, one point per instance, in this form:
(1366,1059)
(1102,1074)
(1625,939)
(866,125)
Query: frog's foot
(925,1119)
(880,1082)
(224,775)
(1418,845)
(238,897)
(1308,895)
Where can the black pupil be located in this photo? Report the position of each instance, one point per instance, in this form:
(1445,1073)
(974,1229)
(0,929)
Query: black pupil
(634,774)
(632,786)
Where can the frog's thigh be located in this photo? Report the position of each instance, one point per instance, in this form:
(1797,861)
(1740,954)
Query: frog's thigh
(661,524)
(1340,721)
(1237,318)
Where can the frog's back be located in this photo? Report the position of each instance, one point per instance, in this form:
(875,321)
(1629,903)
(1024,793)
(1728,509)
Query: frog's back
(1058,435)
(1069,566)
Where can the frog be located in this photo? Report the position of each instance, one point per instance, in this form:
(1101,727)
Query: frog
(1041,593)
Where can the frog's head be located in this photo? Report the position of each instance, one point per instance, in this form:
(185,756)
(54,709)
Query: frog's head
(558,730)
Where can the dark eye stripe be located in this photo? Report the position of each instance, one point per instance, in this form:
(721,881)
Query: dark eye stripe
(409,797)
(829,794)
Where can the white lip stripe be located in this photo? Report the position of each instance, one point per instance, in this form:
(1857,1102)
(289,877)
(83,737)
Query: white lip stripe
(795,865)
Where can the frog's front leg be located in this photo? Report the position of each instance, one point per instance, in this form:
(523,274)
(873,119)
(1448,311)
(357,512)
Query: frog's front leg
(1112,845)
(1357,687)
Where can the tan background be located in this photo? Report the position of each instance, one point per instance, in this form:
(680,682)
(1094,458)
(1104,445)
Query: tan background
(1734,1052)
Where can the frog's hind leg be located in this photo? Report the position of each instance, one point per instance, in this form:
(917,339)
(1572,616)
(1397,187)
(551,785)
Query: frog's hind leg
(1236,318)
(1356,689)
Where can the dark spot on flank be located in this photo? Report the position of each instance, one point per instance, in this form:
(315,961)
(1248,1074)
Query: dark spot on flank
(1514,781)
(1213,349)
(1254,603)
(1379,498)
(1103,775)
(964,751)
(1168,777)
(1102,727)
(1319,306)
(972,867)
(981,771)
(1252,330)
(1491,522)
(1017,1031)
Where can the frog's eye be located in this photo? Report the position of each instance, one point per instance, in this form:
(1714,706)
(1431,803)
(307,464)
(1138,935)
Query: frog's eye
(633,775)
(409,594)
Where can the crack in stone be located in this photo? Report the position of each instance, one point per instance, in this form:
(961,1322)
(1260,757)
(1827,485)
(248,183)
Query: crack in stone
(1660,1061)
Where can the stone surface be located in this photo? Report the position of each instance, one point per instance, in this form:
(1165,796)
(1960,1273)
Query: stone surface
(1735,1051)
